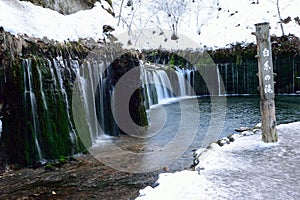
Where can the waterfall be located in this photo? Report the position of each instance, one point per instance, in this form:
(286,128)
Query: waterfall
(234,91)
(190,76)
(59,66)
(185,76)
(30,96)
(219,81)
(42,90)
(293,77)
(90,75)
(167,84)
(226,76)
(162,85)
(147,88)
(182,87)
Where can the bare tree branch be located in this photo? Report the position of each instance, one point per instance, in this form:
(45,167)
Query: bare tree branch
(120,13)
(279,15)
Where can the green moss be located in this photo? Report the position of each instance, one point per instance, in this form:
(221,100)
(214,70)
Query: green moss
(62,159)
(172,60)
(49,167)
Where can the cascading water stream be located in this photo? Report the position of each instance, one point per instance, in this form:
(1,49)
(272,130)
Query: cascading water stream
(90,75)
(59,65)
(42,90)
(219,81)
(189,76)
(164,86)
(182,87)
(29,95)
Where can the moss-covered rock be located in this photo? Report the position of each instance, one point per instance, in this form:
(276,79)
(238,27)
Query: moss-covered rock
(37,81)
(35,114)
(115,71)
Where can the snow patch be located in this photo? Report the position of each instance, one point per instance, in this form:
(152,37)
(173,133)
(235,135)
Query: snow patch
(244,169)
(181,185)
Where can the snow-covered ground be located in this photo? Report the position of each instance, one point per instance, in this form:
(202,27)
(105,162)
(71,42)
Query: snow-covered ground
(211,23)
(244,169)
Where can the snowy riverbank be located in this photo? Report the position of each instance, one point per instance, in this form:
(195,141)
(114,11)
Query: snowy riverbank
(244,169)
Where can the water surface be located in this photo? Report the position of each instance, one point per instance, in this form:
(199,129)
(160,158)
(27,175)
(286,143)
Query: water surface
(240,111)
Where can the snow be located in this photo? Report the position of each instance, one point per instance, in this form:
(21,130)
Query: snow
(180,185)
(25,18)
(201,22)
(244,169)
(234,22)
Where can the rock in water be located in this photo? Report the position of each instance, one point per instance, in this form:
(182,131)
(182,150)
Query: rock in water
(242,129)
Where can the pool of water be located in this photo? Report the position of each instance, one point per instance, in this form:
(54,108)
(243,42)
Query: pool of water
(191,123)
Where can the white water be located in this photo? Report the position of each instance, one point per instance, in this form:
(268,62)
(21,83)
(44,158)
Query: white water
(190,80)
(29,92)
(181,83)
(90,76)
(41,89)
(162,85)
(187,80)
(59,66)
(168,86)
(160,88)
(219,81)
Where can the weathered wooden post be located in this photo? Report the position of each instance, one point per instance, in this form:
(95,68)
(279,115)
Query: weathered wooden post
(266,82)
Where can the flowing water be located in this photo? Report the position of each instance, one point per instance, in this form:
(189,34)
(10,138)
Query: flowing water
(240,111)
(179,122)
(30,100)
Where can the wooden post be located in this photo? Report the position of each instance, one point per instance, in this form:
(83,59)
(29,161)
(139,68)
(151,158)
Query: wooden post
(266,82)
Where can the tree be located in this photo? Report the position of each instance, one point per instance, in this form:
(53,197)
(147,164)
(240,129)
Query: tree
(279,15)
(137,15)
(280,9)
(173,10)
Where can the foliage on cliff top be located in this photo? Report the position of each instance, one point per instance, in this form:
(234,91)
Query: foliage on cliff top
(287,47)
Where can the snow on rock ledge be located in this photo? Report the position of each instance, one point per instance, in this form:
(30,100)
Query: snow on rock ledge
(25,18)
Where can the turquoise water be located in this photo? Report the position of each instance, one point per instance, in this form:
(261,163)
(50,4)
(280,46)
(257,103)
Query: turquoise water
(241,111)
(178,126)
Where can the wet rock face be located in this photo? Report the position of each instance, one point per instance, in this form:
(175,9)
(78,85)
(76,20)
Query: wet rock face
(116,74)
(64,6)
(26,112)
(37,79)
